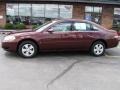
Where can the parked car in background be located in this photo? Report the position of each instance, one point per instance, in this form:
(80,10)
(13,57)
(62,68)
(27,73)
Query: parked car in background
(62,35)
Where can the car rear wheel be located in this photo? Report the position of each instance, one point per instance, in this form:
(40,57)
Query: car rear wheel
(27,49)
(98,48)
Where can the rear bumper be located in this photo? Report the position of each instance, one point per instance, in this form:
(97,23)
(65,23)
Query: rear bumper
(112,43)
(9,46)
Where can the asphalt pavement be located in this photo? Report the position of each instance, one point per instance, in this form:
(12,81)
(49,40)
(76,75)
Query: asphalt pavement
(60,71)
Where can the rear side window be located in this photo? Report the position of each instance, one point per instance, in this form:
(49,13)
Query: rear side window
(81,26)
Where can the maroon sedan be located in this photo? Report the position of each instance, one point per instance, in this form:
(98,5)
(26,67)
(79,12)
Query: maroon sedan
(62,35)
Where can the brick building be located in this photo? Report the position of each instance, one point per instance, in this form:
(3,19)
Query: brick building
(104,12)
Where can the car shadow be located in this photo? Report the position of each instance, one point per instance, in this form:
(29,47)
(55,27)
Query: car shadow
(72,53)
(51,54)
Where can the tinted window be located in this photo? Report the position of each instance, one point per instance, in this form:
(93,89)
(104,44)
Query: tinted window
(62,27)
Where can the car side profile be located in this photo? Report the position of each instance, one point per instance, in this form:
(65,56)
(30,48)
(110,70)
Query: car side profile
(62,35)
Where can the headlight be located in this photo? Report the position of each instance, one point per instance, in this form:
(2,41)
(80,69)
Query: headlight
(9,38)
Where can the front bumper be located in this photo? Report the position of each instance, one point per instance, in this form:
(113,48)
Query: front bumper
(9,46)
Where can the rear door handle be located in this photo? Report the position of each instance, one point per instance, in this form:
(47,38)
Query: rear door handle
(70,35)
(80,36)
(90,35)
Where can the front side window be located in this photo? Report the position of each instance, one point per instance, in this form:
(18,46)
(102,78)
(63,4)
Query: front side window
(62,27)
(93,14)
(44,26)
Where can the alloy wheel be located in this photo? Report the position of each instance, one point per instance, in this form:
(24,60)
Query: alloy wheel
(28,50)
(98,49)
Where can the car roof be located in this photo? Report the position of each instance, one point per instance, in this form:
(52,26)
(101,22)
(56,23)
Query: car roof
(80,20)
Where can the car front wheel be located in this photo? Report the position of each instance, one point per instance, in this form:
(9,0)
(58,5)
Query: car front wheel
(98,48)
(27,49)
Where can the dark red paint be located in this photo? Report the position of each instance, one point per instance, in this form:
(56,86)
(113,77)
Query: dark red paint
(71,40)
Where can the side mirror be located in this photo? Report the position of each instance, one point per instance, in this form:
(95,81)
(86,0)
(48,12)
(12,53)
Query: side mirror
(50,30)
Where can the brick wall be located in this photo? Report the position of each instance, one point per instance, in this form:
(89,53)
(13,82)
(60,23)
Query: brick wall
(78,11)
(107,16)
(2,14)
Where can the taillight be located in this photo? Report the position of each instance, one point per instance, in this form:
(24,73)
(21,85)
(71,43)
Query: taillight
(117,37)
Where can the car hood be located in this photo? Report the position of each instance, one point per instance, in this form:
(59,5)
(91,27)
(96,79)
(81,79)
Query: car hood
(23,34)
(19,31)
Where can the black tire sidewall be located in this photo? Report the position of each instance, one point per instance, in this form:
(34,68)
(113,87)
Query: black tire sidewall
(92,49)
(27,42)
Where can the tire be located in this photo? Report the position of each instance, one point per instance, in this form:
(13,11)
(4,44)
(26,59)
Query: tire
(27,49)
(97,49)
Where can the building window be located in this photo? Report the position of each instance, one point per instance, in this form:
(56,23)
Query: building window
(65,11)
(12,13)
(36,13)
(93,14)
(25,13)
(116,19)
(51,11)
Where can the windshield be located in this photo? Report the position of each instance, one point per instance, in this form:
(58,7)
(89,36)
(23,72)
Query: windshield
(44,26)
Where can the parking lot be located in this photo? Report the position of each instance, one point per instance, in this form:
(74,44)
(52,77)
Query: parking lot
(60,71)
